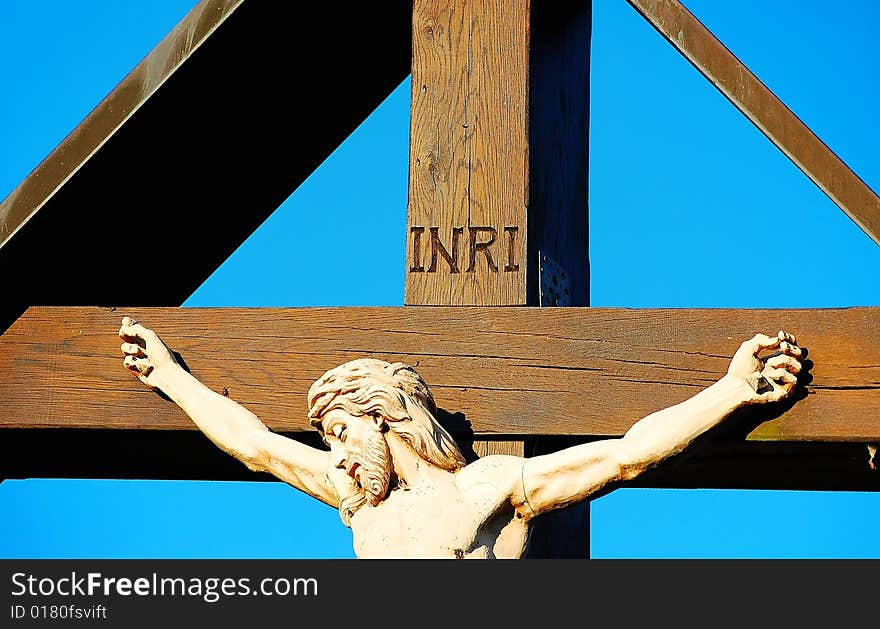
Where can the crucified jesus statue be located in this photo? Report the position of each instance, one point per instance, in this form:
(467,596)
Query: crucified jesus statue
(398,477)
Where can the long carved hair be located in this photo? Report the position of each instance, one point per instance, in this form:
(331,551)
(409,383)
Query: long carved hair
(394,392)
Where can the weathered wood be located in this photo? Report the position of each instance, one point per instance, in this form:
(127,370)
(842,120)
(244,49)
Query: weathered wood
(192,139)
(514,447)
(764,109)
(498,158)
(498,151)
(468,183)
(494,371)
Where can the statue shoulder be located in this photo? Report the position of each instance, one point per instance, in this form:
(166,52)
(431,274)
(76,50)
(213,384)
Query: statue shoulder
(500,471)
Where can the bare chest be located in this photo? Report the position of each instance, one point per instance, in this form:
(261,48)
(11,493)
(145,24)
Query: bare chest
(439,522)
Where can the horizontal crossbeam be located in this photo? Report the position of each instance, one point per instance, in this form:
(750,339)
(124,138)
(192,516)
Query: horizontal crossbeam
(764,109)
(493,371)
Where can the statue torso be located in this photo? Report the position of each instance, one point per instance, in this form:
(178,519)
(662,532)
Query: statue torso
(469,515)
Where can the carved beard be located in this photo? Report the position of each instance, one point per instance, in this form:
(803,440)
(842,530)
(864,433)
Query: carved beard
(373,476)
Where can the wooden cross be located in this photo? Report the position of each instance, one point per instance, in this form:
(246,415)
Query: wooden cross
(497,217)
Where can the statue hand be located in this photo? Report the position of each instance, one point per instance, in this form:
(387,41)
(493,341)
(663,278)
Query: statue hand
(772,378)
(145,353)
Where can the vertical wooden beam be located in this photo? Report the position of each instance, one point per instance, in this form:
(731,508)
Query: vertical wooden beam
(559,125)
(498,174)
(468,170)
(558,226)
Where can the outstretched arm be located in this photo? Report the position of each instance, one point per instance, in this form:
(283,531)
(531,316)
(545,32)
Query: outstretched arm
(568,476)
(229,425)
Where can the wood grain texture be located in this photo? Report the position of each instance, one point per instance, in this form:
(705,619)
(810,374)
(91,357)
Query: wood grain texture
(499,150)
(764,109)
(469,150)
(493,371)
(469,158)
(513,447)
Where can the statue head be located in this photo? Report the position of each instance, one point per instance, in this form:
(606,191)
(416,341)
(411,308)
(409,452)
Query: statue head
(391,397)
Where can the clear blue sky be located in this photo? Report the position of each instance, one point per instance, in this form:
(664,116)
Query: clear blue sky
(680,182)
